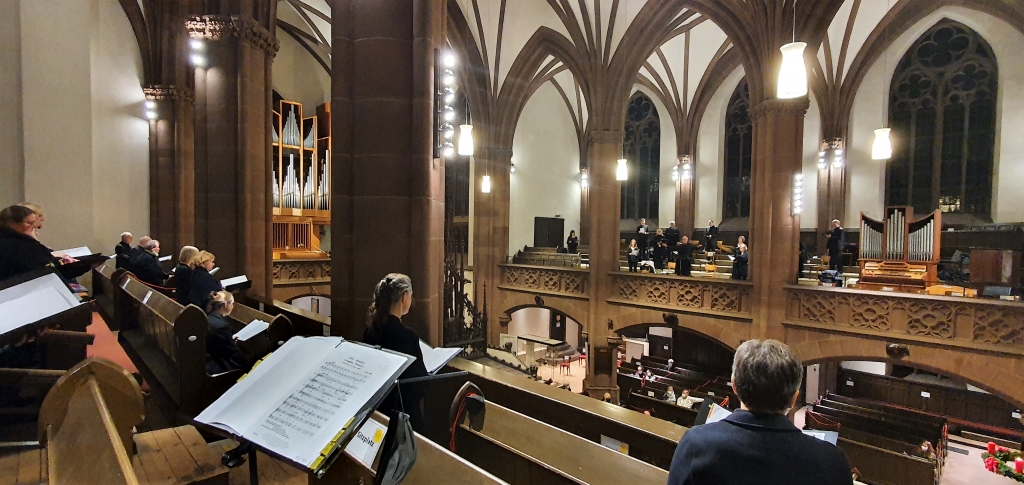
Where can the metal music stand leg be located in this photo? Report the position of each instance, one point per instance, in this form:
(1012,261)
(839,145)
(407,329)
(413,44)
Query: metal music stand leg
(254,478)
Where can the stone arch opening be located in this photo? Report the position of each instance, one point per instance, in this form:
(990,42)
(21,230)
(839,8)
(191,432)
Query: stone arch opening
(682,344)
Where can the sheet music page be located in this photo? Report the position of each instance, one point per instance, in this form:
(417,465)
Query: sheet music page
(251,330)
(436,358)
(29,308)
(74,252)
(718,413)
(233,281)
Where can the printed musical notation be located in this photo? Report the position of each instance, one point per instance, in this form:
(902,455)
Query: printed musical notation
(325,392)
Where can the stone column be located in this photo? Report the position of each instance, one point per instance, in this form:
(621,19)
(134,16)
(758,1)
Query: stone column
(831,194)
(774,231)
(686,200)
(232,145)
(604,148)
(490,239)
(172,167)
(388,191)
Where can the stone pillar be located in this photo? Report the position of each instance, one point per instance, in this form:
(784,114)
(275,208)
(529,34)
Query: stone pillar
(490,239)
(232,145)
(604,148)
(172,167)
(686,200)
(831,193)
(388,191)
(774,231)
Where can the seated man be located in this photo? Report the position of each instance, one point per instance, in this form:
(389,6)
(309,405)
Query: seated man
(670,395)
(766,376)
(688,401)
(147,265)
(123,250)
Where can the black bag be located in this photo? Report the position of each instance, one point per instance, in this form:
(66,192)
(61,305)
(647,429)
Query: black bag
(399,450)
(831,276)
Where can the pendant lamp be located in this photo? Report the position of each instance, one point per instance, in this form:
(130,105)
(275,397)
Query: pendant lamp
(485,186)
(793,74)
(466,140)
(881,149)
(622,171)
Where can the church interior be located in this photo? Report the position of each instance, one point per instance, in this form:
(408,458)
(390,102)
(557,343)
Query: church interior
(596,202)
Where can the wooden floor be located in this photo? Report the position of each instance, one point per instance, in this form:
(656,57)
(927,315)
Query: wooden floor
(271,471)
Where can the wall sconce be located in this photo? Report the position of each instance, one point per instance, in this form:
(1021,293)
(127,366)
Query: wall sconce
(686,166)
(196,56)
(150,110)
(675,172)
(584,178)
(512,168)
(447,149)
(798,193)
(622,170)
(831,153)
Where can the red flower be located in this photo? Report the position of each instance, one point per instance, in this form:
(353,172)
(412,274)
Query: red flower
(991,464)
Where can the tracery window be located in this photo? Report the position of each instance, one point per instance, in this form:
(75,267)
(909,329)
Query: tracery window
(942,109)
(738,141)
(642,147)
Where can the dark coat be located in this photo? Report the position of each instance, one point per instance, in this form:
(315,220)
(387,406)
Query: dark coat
(740,266)
(20,254)
(202,283)
(836,240)
(684,260)
(747,449)
(222,353)
(122,253)
(711,238)
(133,254)
(182,283)
(394,335)
(572,243)
(147,268)
(641,239)
(672,235)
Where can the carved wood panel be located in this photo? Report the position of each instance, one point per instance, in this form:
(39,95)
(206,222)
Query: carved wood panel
(545,280)
(685,293)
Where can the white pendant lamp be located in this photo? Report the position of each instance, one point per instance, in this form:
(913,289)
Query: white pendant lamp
(881,149)
(622,171)
(485,186)
(466,140)
(793,75)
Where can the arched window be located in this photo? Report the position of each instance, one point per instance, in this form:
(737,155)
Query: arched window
(942,109)
(738,140)
(642,147)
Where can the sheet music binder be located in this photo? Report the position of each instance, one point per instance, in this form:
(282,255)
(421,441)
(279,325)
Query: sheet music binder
(30,283)
(333,447)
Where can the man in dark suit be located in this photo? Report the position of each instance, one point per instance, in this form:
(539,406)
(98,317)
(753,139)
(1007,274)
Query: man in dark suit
(836,243)
(137,251)
(123,250)
(641,238)
(711,236)
(685,258)
(147,265)
(758,444)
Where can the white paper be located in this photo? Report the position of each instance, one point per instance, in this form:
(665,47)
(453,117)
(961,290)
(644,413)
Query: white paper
(717,413)
(364,445)
(829,436)
(251,330)
(74,252)
(34,300)
(215,270)
(165,258)
(436,358)
(233,281)
(300,397)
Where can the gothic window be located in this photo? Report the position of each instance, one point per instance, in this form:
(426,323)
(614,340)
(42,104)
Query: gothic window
(642,147)
(738,140)
(942,109)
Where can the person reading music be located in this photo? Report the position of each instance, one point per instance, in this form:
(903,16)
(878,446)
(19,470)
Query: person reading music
(836,243)
(20,251)
(740,265)
(642,231)
(684,261)
(766,376)
(572,243)
(392,299)
(147,265)
(660,249)
(687,401)
(183,273)
(633,255)
(202,283)
(222,353)
(123,250)
(711,236)
(136,252)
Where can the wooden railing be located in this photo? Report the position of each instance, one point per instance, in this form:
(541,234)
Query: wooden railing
(545,280)
(966,322)
(302,271)
(726,298)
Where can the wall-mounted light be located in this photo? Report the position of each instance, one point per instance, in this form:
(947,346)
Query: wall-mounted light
(584,178)
(675,172)
(831,154)
(448,77)
(448,113)
(466,140)
(448,94)
(822,160)
(447,130)
(196,57)
(881,149)
(685,167)
(798,193)
(196,44)
(512,168)
(485,185)
(449,60)
(838,158)
(150,109)
(622,170)
(447,149)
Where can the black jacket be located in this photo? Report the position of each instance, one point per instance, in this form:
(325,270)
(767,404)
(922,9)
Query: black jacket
(147,268)
(739,266)
(133,254)
(182,283)
(202,283)
(20,254)
(222,353)
(837,240)
(672,234)
(122,254)
(747,449)
(394,335)
(572,243)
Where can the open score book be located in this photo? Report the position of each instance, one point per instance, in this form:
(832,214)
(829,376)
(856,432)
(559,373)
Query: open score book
(304,400)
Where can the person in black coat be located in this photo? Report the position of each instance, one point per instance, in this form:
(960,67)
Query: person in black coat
(136,252)
(711,236)
(642,231)
(222,353)
(633,255)
(758,444)
(20,251)
(123,250)
(202,283)
(685,258)
(572,242)
(740,264)
(392,299)
(835,245)
(660,243)
(147,265)
(183,273)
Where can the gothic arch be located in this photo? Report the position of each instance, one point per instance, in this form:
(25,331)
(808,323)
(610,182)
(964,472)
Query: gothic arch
(729,334)
(512,301)
(738,140)
(642,147)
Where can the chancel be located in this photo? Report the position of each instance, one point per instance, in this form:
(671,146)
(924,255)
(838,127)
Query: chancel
(568,234)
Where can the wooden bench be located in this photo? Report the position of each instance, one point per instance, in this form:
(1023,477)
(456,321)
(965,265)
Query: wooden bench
(171,341)
(664,410)
(304,322)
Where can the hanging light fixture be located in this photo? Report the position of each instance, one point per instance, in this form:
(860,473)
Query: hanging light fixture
(466,140)
(622,170)
(881,149)
(793,74)
(485,186)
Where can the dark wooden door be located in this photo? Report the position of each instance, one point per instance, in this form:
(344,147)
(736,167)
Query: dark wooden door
(660,346)
(557,327)
(548,232)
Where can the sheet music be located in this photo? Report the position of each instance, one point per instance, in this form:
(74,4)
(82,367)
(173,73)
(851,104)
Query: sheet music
(164,258)
(233,281)
(215,270)
(251,330)
(304,394)
(32,307)
(436,358)
(74,252)
(718,413)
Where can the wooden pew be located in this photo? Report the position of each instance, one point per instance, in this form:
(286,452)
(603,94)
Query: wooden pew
(665,410)
(697,387)
(518,449)
(103,277)
(650,440)
(884,467)
(304,322)
(715,371)
(171,342)
(629,383)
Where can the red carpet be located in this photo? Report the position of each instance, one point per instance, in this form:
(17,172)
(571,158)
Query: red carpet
(105,345)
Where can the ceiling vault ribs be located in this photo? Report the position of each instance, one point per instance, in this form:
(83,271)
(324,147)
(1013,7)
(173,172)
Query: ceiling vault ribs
(304,39)
(497,48)
(297,5)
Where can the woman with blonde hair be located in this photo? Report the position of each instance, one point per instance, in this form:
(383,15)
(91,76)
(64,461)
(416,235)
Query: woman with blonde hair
(222,353)
(202,283)
(183,273)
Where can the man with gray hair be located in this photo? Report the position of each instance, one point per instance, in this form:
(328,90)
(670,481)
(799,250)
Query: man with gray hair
(147,265)
(757,444)
(123,250)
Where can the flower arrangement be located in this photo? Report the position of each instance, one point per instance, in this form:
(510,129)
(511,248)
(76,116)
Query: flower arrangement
(1003,461)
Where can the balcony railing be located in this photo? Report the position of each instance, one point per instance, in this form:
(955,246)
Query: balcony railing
(979,324)
(728,298)
(302,271)
(548,280)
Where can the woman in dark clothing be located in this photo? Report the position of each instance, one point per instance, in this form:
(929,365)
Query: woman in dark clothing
(391,300)
(633,255)
(740,264)
(20,251)
(183,273)
(202,283)
(572,242)
(222,353)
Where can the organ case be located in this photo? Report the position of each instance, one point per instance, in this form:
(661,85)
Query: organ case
(899,252)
